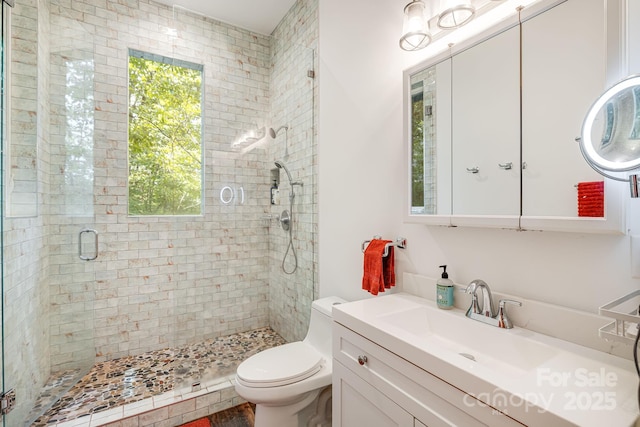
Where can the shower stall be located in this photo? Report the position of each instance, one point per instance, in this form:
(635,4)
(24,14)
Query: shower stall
(85,281)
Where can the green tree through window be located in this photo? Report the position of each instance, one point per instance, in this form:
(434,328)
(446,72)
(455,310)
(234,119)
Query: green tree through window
(417,149)
(165,134)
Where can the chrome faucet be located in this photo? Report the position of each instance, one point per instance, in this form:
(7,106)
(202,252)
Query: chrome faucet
(486,309)
(485,313)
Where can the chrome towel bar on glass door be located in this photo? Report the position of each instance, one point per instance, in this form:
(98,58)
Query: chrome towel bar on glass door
(400,242)
(81,252)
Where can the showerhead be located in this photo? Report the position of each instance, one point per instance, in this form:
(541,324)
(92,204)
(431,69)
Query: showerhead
(273,133)
(281,165)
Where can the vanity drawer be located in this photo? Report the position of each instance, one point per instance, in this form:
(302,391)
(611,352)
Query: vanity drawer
(430,399)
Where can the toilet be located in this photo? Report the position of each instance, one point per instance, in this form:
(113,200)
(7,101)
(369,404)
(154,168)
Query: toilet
(291,384)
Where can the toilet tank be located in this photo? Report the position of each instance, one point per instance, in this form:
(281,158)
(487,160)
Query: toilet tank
(319,333)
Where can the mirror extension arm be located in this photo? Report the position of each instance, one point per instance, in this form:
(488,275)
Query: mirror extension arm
(632,179)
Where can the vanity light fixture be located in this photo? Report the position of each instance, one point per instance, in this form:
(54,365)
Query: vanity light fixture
(455,14)
(415,28)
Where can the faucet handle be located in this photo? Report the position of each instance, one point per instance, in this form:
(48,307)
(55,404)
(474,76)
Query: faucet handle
(503,320)
(503,302)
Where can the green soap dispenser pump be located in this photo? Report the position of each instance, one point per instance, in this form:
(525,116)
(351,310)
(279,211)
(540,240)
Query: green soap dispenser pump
(444,292)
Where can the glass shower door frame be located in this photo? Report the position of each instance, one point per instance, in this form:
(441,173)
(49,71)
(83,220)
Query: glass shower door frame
(6,396)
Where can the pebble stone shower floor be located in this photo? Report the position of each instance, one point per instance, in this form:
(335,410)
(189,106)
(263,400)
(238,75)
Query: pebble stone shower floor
(134,378)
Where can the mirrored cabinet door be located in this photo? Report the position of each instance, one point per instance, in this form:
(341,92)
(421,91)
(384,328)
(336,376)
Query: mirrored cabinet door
(429,133)
(562,74)
(564,70)
(486,127)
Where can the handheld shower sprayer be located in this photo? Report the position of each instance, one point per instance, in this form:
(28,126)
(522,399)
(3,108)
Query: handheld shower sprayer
(286,218)
(282,166)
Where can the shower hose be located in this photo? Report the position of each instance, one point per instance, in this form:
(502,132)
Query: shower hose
(290,246)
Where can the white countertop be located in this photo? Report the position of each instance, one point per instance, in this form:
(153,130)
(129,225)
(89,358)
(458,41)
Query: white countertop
(534,378)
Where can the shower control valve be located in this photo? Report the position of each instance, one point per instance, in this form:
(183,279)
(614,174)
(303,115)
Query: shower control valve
(285,220)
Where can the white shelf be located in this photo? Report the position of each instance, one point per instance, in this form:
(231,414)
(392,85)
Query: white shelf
(626,314)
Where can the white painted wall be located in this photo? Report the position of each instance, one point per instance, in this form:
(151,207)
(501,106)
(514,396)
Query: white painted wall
(360,132)
(633,35)
(360,184)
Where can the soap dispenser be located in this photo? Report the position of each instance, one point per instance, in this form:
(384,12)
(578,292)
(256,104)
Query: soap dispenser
(444,293)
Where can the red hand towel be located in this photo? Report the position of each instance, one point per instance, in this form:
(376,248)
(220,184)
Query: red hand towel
(591,199)
(378,270)
(389,269)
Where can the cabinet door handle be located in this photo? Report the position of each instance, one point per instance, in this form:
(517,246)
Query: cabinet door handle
(362,360)
(474,169)
(505,166)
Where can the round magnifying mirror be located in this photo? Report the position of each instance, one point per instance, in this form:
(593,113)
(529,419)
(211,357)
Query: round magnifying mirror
(611,130)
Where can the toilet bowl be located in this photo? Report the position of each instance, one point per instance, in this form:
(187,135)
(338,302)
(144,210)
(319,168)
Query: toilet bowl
(291,384)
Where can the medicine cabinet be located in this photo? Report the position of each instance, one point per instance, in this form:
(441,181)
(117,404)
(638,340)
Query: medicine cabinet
(490,126)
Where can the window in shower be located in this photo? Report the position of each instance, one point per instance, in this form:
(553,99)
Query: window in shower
(165,135)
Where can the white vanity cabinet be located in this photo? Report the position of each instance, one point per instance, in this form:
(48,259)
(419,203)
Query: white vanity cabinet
(400,354)
(386,390)
(360,404)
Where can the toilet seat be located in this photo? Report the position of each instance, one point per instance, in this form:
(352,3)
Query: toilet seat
(278,366)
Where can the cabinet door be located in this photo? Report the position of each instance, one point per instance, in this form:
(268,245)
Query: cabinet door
(486,127)
(428,143)
(358,403)
(564,66)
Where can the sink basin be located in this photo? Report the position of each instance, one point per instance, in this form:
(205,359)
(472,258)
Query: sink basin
(541,374)
(479,343)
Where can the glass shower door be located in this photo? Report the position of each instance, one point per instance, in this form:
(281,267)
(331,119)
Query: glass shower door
(49,239)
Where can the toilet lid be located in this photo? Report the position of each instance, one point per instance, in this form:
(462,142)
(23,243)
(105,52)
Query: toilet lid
(280,365)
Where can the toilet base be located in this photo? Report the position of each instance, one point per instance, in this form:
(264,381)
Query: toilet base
(313,409)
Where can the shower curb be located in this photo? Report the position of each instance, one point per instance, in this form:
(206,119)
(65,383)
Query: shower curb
(166,410)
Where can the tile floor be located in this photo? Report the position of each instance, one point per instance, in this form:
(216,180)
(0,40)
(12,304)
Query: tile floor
(239,416)
(163,374)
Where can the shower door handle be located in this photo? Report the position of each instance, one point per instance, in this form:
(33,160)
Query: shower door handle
(80,251)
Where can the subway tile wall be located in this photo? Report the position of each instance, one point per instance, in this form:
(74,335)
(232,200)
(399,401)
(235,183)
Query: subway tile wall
(293,104)
(158,281)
